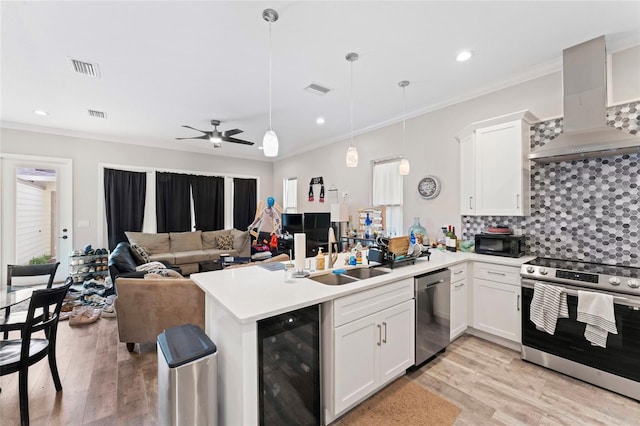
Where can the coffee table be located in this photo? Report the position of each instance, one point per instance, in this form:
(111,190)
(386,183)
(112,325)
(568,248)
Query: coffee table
(223,262)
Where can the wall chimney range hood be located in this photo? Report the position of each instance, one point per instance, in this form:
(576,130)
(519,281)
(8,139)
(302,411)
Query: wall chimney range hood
(586,134)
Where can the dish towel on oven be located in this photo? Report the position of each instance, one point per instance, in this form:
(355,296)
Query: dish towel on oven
(548,304)
(596,310)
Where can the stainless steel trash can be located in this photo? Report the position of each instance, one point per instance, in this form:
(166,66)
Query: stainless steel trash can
(187,377)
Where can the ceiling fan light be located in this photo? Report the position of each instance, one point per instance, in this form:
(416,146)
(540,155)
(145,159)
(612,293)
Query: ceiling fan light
(270,144)
(215,139)
(404,168)
(352,157)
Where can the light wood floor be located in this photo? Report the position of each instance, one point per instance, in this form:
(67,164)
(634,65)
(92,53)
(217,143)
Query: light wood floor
(103,384)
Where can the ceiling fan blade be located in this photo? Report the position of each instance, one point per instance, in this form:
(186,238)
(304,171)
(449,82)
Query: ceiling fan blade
(234,140)
(197,130)
(232,132)
(197,137)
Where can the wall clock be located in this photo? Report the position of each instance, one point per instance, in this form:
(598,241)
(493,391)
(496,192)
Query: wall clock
(429,187)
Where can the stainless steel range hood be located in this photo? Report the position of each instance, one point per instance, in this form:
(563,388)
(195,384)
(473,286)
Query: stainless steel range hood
(586,134)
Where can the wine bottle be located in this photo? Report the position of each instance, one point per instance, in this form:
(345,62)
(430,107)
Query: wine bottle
(448,238)
(454,240)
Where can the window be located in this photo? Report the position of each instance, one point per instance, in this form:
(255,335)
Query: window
(290,195)
(387,191)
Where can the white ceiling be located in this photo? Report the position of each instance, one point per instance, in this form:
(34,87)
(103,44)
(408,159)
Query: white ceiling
(165,64)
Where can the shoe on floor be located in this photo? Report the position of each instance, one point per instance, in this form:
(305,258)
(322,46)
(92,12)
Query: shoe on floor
(109,311)
(85,315)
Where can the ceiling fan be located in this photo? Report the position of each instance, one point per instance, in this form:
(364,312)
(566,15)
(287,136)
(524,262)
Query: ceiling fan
(216,137)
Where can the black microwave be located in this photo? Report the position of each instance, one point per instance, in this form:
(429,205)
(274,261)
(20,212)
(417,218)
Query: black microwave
(500,244)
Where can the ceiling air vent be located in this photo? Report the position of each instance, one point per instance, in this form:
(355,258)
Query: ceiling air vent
(86,68)
(97,114)
(316,89)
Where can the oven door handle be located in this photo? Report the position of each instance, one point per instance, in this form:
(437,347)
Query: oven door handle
(632,302)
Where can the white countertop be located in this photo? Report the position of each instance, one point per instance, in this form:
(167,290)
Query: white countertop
(254,293)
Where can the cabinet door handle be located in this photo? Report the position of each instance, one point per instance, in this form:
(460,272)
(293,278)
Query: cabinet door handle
(470,203)
(458,272)
(458,285)
(379,335)
(496,273)
(518,303)
(517,201)
(384,339)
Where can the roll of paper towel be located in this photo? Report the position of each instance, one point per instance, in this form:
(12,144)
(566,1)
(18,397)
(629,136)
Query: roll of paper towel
(300,244)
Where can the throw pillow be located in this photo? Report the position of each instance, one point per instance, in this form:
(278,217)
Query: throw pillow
(224,242)
(140,253)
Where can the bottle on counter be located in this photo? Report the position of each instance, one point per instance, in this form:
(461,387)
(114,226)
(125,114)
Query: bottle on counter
(419,231)
(320,260)
(442,241)
(367,227)
(453,240)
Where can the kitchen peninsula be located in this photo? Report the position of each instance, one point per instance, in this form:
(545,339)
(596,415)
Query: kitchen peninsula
(236,299)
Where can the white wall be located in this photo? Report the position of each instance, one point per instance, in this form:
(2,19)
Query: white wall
(431,147)
(88,153)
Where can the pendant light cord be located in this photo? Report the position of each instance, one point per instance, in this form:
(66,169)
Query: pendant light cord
(404,119)
(351,143)
(270,66)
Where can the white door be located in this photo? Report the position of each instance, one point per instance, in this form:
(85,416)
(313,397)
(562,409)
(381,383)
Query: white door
(499,169)
(62,239)
(467,175)
(357,351)
(397,352)
(496,308)
(458,308)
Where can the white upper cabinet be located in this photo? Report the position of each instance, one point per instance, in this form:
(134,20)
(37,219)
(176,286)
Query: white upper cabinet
(468,175)
(494,168)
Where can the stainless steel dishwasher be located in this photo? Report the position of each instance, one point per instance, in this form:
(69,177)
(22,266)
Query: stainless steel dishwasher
(433,298)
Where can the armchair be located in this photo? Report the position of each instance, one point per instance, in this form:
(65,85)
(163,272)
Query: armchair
(146,307)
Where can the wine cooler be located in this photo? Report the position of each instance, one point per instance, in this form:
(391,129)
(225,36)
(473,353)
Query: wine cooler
(289,368)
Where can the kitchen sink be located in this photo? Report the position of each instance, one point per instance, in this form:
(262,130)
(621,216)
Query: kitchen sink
(333,279)
(364,273)
(349,276)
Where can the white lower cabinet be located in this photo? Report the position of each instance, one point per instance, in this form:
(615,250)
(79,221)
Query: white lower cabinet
(365,353)
(371,351)
(496,301)
(459,301)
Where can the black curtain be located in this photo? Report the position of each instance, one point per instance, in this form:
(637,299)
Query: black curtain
(124,196)
(208,202)
(173,207)
(244,202)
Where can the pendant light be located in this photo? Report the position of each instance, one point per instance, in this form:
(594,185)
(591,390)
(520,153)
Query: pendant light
(352,152)
(270,139)
(404,166)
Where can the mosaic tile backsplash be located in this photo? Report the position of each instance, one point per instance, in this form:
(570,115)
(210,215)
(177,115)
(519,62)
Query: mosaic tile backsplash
(582,210)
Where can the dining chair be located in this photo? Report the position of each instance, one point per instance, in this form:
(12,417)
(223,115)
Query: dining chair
(17,355)
(33,271)
(44,270)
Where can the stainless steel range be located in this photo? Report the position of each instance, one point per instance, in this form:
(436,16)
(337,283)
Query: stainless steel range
(615,367)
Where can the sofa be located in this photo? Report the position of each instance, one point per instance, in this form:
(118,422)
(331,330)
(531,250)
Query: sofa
(146,307)
(187,249)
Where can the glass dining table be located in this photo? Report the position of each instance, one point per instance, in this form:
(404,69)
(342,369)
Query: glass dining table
(10,297)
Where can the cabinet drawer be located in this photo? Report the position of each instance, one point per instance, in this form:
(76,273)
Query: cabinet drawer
(498,273)
(359,305)
(458,272)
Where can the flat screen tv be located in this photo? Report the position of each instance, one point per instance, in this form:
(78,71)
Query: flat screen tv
(316,228)
(292,223)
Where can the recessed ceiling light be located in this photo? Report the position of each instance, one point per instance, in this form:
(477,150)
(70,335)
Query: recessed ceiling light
(260,147)
(464,55)
(320,120)
(40,112)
